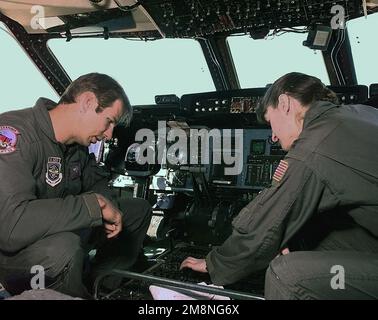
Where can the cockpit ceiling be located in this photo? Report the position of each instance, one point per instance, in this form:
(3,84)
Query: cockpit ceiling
(53,15)
(175,18)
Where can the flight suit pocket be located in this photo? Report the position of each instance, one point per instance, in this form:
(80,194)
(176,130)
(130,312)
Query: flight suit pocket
(265,195)
(75,171)
(243,220)
(74,184)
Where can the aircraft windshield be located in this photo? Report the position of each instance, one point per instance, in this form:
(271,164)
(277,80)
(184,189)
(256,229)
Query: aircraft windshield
(364,44)
(144,69)
(19,72)
(260,62)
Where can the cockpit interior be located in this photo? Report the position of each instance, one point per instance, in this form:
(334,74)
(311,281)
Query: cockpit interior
(195,72)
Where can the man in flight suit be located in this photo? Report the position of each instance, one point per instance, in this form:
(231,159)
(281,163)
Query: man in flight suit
(315,229)
(53,193)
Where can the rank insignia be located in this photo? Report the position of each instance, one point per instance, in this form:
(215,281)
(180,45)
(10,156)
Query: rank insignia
(53,173)
(280,171)
(8,139)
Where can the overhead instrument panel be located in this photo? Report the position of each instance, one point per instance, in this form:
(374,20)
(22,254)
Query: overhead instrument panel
(196,18)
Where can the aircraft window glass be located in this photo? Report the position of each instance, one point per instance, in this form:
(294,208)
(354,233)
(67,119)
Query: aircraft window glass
(21,83)
(260,62)
(364,47)
(144,69)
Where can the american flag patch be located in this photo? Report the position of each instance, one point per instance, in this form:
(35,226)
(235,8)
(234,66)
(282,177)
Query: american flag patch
(280,171)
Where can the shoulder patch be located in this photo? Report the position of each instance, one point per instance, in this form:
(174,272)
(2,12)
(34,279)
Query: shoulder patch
(280,171)
(8,139)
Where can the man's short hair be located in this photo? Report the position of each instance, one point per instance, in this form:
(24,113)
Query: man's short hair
(306,89)
(106,89)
